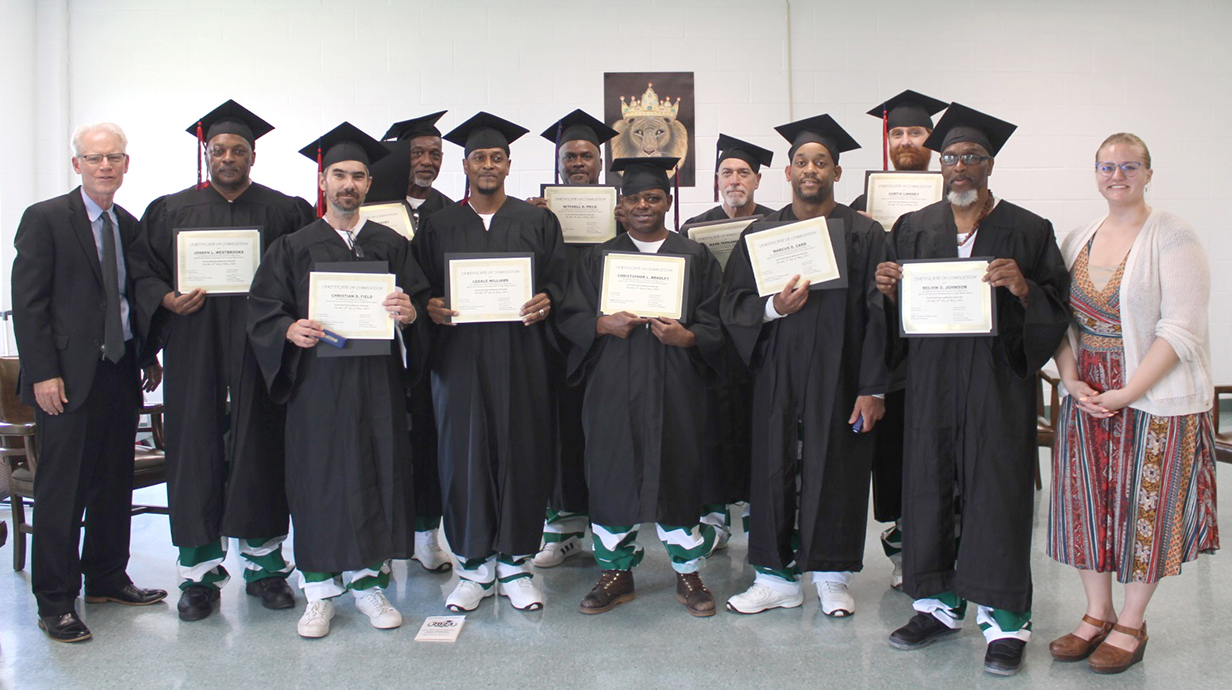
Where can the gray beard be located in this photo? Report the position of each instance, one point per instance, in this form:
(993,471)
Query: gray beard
(963,199)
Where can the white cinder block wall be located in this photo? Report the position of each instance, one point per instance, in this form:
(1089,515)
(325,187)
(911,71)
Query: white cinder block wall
(1068,73)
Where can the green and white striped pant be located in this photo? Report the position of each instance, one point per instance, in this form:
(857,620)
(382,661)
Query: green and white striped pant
(487,570)
(202,565)
(320,586)
(616,546)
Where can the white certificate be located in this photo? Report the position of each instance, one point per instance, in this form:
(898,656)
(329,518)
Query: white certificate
(394,214)
(946,298)
(802,249)
(644,284)
(221,262)
(349,304)
(587,213)
(892,194)
(720,237)
(489,288)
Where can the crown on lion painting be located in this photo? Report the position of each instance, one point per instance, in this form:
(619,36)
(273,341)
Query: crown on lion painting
(649,105)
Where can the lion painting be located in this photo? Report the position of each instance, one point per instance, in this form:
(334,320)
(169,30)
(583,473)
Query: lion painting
(649,127)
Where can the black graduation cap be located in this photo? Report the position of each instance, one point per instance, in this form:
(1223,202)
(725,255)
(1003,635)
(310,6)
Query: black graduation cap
(230,118)
(819,129)
(961,123)
(908,109)
(485,131)
(642,173)
(731,147)
(578,125)
(423,126)
(346,142)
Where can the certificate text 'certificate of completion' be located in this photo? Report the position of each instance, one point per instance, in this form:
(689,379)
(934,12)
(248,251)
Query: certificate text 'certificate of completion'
(802,249)
(946,298)
(349,304)
(489,288)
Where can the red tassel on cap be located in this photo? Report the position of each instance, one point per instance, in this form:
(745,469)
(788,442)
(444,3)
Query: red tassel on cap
(466,191)
(676,206)
(320,192)
(885,138)
(200,155)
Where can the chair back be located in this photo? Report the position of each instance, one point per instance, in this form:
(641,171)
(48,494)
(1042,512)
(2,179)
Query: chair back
(12,409)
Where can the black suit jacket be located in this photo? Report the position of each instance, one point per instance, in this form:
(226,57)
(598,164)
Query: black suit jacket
(58,299)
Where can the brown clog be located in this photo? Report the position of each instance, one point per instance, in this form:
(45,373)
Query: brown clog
(1071,647)
(1110,659)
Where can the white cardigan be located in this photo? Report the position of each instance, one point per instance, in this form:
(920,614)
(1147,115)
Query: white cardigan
(1165,293)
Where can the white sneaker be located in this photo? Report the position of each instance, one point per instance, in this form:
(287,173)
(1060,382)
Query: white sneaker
(721,538)
(467,595)
(555,552)
(523,594)
(759,598)
(429,553)
(836,599)
(377,608)
(896,578)
(315,621)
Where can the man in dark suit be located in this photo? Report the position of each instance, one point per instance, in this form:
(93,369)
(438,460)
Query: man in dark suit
(79,344)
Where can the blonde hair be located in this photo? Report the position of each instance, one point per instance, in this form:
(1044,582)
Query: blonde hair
(1126,138)
(80,133)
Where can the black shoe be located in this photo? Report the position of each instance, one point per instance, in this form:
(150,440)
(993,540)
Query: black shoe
(197,602)
(1004,657)
(922,630)
(275,593)
(66,627)
(129,595)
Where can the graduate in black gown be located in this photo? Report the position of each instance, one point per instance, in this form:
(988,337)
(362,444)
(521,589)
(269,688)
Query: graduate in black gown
(492,383)
(578,139)
(970,450)
(737,177)
(645,404)
(224,434)
(818,366)
(348,458)
(907,122)
(406,175)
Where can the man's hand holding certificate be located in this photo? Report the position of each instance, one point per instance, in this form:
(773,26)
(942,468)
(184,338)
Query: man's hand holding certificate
(489,288)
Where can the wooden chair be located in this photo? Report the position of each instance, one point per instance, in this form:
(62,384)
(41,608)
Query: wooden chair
(1045,417)
(19,448)
(1223,439)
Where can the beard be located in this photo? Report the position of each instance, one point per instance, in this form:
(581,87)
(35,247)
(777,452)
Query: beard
(423,178)
(909,158)
(735,198)
(823,192)
(345,205)
(963,199)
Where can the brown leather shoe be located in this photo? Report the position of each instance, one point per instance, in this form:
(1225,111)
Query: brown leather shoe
(613,588)
(1110,659)
(693,594)
(1071,647)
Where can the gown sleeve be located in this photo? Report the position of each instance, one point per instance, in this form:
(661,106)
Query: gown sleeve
(272,308)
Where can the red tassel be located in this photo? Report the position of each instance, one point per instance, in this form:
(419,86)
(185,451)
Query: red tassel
(320,192)
(200,155)
(676,206)
(466,191)
(716,185)
(885,138)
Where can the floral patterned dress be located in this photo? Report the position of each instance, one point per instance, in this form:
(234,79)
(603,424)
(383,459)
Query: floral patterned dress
(1133,494)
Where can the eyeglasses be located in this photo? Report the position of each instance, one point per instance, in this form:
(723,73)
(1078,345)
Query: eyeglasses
(1109,169)
(97,158)
(948,159)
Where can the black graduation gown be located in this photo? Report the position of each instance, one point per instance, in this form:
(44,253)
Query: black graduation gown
(888,439)
(224,471)
(808,368)
(970,427)
(717,213)
(349,480)
(492,387)
(644,411)
(726,477)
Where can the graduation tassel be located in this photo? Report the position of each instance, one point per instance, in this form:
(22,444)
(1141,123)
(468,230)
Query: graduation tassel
(200,155)
(320,192)
(556,163)
(885,137)
(466,191)
(717,153)
(676,206)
